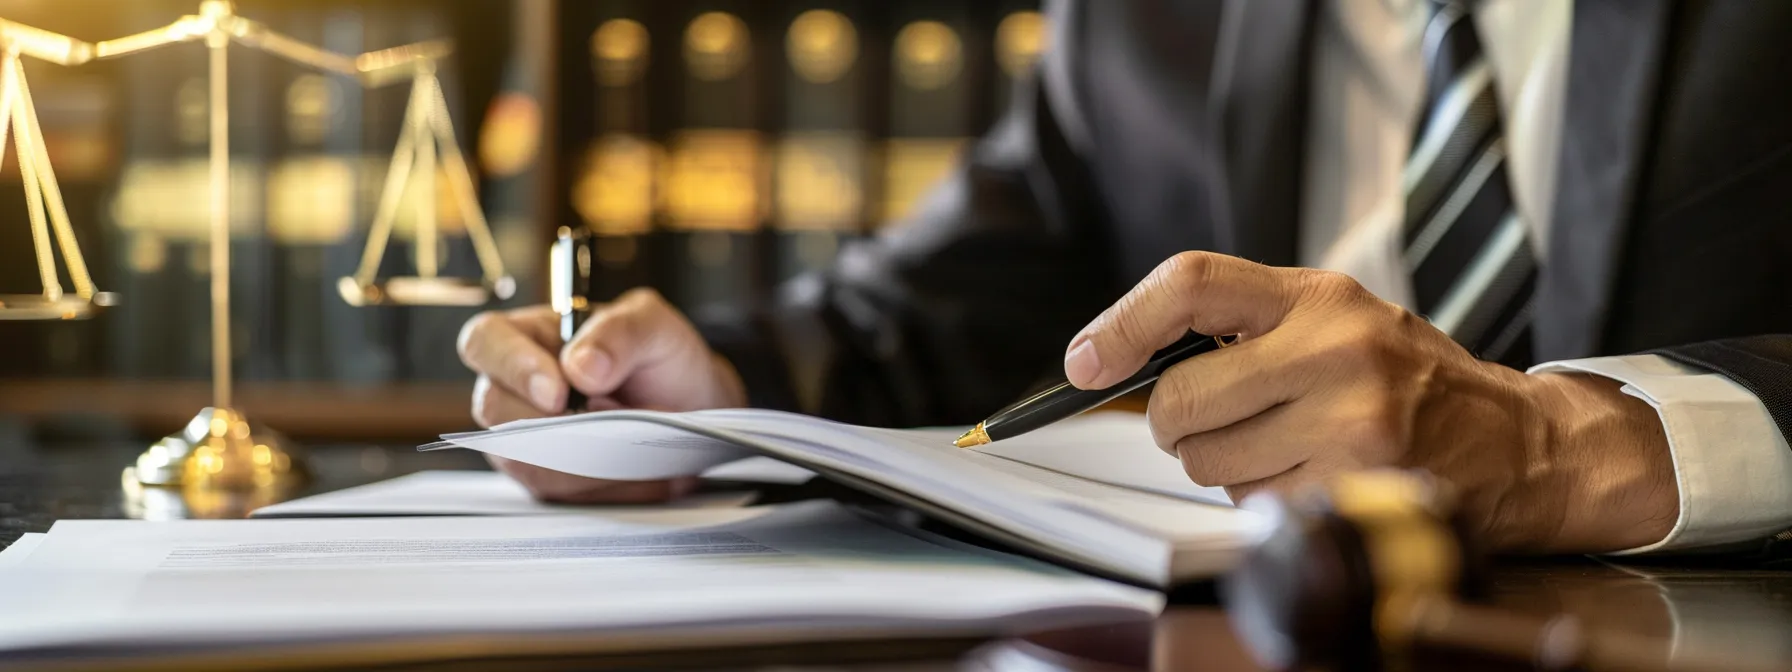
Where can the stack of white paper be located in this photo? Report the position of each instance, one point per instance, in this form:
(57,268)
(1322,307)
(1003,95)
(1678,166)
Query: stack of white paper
(1091,493)
(313,589)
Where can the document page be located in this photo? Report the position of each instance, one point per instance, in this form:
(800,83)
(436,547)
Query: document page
(15,554)
(994,494)
(795,572)
(465,493)
(1110,447)
(617,444)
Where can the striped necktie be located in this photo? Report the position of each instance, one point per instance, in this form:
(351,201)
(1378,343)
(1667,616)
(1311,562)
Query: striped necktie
(1468,250)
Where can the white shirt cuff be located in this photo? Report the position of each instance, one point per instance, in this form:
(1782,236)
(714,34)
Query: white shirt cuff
(1732,466)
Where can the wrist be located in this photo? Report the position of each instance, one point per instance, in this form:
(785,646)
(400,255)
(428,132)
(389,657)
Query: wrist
(1599,475)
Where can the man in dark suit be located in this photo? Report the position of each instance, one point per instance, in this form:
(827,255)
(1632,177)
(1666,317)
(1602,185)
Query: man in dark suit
(1598,186)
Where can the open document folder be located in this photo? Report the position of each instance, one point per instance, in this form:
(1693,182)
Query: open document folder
(318,591)
(1093,493)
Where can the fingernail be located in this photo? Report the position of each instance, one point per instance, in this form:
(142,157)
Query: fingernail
(592,363)
(545,390)
(1082,365)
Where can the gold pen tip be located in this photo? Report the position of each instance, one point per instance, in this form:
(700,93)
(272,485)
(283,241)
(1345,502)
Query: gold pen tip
(975,437)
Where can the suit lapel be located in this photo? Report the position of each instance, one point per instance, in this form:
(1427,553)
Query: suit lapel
(1259,112)
(1613,70)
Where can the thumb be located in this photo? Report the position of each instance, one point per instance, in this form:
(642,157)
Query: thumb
(642,351)
(1201,291)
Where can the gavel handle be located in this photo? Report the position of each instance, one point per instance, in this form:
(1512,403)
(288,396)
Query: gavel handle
(1561,642)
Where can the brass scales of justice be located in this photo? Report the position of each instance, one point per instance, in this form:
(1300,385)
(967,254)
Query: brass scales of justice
(220,448)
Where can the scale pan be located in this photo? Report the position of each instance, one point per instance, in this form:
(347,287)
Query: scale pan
(37,307)
(418,291)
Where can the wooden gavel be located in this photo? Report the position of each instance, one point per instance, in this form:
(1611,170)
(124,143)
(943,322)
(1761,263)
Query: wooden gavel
(1371,572)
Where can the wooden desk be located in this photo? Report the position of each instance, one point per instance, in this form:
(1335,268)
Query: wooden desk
(1694,609)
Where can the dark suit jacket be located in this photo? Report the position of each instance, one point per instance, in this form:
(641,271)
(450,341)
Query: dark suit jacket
(1158,126)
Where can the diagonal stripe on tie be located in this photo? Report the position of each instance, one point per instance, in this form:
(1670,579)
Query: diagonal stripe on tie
(1504,260)
(1422,240)
(1466,121)
(1466,247)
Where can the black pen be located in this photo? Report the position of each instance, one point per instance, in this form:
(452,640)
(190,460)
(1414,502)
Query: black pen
(569,286)
(1065,400)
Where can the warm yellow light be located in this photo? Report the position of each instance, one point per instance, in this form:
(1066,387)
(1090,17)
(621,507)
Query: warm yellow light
(614,193)
(911,167)
(1020,38)
(311,200)
(619,52)
(818,182)
(822,45)
(928,55)
(512,135)
(168,198)
(715,46)
(716,179)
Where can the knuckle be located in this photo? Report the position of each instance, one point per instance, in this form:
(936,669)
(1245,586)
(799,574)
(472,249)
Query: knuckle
(1129,329)
(1187,272)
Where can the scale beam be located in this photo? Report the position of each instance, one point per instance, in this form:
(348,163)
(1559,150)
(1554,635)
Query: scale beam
(45,45)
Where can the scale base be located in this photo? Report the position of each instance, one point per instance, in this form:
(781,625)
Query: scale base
(221,450)
(423,291)
(40,307)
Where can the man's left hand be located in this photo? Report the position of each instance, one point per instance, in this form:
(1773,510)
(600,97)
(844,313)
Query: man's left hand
(1327,378)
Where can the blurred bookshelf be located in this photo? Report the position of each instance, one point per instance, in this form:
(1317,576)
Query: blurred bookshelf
(717,147)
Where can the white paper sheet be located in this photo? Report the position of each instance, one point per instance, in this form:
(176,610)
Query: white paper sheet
(760,470)
(809,571)
(459,493)
(996,494)
(623,450)
(15,554)
(1110,447)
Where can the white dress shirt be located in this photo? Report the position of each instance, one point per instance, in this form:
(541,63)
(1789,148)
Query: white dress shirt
(1734,469)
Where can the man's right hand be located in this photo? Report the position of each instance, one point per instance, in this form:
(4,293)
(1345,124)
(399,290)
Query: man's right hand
(637,352)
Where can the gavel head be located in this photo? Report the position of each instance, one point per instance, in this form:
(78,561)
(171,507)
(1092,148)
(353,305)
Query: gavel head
(1342,564)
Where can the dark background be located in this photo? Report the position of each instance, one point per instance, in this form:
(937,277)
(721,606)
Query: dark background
(720,155)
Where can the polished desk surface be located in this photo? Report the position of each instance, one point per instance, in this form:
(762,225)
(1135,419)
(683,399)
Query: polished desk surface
(1736,609)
